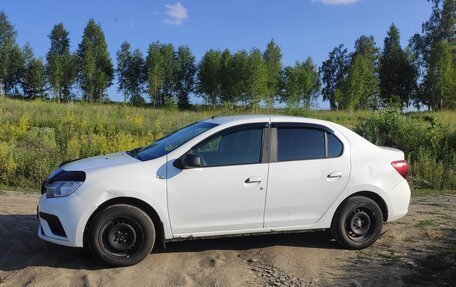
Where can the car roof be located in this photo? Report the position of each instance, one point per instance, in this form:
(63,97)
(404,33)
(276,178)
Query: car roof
(240,119)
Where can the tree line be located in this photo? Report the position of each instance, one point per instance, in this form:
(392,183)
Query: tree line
(421,74)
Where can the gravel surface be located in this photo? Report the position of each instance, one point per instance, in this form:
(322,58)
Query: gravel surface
(418,250)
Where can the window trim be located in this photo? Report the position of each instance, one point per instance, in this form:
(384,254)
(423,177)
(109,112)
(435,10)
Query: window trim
(265,141)
(301,125)
(275,139)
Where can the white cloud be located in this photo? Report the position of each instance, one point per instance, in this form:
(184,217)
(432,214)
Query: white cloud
(176,14)
(336,2)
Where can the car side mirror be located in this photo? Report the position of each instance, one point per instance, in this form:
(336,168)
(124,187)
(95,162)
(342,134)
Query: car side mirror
(187,161)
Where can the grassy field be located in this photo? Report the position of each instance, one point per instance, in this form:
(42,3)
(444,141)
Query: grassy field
(35,136)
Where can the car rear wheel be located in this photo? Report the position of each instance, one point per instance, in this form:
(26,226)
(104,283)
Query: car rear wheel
(121,235)
(357,223)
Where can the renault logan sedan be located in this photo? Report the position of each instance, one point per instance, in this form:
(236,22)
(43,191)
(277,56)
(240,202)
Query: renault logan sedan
(226,176)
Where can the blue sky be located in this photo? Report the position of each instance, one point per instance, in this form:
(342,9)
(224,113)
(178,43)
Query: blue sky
(302,28)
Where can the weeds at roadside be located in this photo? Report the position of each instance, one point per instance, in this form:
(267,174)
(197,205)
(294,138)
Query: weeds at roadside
(447,250)
(367,253)
(435,204)
(427,212)
(424,223)
(396,222)
(389,255)
(416,192)
(386,255)
(36,136)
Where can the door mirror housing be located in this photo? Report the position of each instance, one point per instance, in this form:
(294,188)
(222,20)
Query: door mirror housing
(187,161)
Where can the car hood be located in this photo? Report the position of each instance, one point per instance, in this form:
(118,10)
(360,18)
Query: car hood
(97,162)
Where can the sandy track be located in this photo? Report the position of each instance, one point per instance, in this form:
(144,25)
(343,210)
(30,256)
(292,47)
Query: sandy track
(307,259)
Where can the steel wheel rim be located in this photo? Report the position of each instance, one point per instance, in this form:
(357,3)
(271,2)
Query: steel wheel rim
(360,224)
(121,237)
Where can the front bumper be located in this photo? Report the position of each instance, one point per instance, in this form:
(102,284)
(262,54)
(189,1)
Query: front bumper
(63,220)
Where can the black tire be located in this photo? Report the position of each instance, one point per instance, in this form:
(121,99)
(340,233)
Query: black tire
(121,235)
(357,223)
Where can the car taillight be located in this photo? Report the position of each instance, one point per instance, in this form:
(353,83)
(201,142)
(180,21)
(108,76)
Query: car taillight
(402,167)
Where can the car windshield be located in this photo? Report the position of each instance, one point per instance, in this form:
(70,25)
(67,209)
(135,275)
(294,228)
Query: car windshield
(170,142)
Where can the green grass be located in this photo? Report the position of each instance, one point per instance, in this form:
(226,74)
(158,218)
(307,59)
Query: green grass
(20,189)
(396,222)
(427,212)
(444,116)
(427,191)
(445,250)
(386,255)
(36,136)
(425,223)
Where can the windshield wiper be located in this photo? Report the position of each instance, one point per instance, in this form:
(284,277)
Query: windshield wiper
(134,151)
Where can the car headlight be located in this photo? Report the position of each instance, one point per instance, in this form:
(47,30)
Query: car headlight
(61,188)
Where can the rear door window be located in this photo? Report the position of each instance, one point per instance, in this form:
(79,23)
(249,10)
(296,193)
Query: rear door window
(300,144)
(303,143)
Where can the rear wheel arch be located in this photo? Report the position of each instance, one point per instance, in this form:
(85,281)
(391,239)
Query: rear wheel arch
(144,206)
(369,194)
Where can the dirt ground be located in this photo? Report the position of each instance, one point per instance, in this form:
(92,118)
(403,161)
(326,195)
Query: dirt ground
(418,250)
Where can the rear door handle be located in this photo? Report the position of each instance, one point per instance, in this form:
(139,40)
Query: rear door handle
(253,179)
(335,174)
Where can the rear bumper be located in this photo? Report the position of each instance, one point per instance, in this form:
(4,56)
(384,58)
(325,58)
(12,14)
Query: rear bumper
(399,200)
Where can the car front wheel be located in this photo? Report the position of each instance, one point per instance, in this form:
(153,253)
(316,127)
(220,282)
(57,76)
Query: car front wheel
(121,235)
(357,223)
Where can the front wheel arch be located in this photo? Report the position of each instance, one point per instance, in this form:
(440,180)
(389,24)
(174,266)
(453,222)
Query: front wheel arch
(144,206)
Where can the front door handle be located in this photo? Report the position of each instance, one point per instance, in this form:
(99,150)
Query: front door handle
(253,179)
(335,174)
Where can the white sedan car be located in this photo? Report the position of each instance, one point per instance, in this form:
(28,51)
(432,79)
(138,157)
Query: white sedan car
(226,176)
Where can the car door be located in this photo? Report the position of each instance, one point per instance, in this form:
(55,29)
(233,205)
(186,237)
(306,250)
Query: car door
(310,167)
(227,192)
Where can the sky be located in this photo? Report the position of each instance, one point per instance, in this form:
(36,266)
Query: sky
(301,28)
